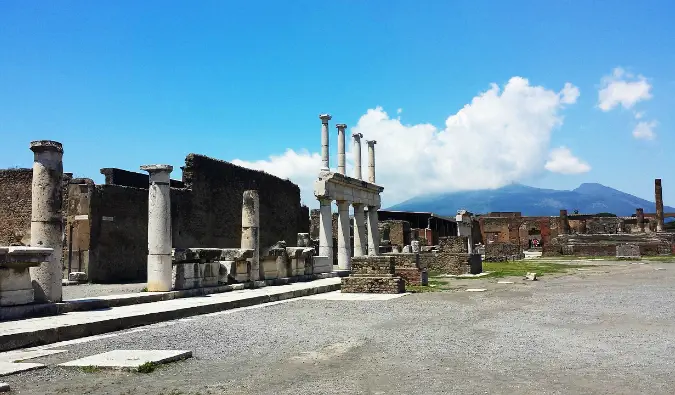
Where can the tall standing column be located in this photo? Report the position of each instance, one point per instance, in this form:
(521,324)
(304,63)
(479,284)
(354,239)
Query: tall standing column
(325,162)
(658,192)
(159,228)
(564,223)
(46,224)
(357,155)
(371,160)
(640,215)
(373,232)
(342,169)
(360,243)
(325,229)
(344,250)
(250,230)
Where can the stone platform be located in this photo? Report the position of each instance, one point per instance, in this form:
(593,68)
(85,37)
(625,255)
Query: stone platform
(373,274)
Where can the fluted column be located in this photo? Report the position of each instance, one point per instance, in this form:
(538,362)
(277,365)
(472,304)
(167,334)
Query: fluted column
(357,155)
(373,231)
(371,160)
(46,224)
(360,243)
(250,230)
(342,169)
(344,250)
(325,229)
(159,228)
(325,162)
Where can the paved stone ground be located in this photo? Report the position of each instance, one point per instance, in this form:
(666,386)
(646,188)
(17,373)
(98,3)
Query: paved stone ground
(608,330)
(88,290)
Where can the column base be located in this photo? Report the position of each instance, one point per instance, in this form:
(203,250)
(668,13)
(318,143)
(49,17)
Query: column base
(160,270)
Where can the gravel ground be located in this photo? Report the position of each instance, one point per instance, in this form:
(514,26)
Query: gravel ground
(90,290)
(608,330)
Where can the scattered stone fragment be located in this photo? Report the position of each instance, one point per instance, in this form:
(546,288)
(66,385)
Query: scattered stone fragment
(660,268)
(476,290)
(4,387)
(531,276)
(504,282)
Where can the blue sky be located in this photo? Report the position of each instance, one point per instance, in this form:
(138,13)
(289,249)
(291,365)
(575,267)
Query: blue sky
(126,83)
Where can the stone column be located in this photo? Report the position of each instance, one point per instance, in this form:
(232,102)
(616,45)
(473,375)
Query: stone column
(342,168)
(640,215)
(159,228)
(564,223)
(373,232)
(371,160)
(658,192)
(325,229)
(357,155)
(360,243)
(250,231)
(344,248)
(325,162)
(46,224)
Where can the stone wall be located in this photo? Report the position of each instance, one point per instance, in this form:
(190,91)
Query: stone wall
(127,178)
(606,244)
(373,274)
(454,244)
(15,206)
(499,252)
(410,268)
(397,232)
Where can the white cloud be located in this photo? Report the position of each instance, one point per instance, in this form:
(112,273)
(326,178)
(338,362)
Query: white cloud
(623,88)
(639,114)
(500,137)
(645,130)
(561,160)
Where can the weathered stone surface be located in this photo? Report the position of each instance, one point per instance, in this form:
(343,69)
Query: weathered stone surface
(129,359)
(628,251)
(373,265)
(373,284)
(454,244)
(531,276)
(16,287)
(411,268)
(501,252)
(415,246)
(80,277)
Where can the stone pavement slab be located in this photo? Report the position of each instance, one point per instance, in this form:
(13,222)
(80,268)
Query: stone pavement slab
(22,355)
(129,359)
(337,295)
(7,368)
(74,325)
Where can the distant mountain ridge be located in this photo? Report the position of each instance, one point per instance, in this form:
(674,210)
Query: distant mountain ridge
(588,198)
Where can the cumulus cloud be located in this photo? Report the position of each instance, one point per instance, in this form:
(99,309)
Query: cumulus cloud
(561,160)
(500,137)
(622,88)
(645,130)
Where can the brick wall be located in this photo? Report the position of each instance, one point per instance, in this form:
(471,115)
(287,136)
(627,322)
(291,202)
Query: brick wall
(410,268)
(15,205)
(498,252)
(397,232)
(454,244)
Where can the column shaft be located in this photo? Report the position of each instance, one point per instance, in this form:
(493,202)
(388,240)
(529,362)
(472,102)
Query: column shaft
(640,215)
(344,250)
(250,230)
(325,229)
(360,243)
(325,163)
(342,169)
(159,228)
(357,155)
(373,232)
(46,227)
(658,194)
(371,160)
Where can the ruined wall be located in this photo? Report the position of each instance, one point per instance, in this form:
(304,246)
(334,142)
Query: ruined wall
(454,244)
(499,252)
(15,205)
(397,232)
(408,267)
(213,217)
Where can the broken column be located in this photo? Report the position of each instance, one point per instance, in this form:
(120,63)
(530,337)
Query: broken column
(360,243)
(250,230)
(325,163)
(344,250)
(357,155)
(325,229)
(658,192)
(46,226)
(564,223)
(371,160)
(373,231)
(640,215)
(342,169)
(159,228)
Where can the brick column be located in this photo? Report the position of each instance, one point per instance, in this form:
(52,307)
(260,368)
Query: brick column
(658,192)
(640,216)
(564,223)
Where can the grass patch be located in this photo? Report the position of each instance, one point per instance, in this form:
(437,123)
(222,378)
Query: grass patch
(147,367)
(660,258)
(90,369)
(144,289)
(421,288)
(522,267)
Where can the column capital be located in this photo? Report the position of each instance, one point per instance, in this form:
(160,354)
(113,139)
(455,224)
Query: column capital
(325,201)
(325,118)
(157,168)
(38,146)
(341,126)
(357,136)
(357,205)
(371,142)
(343,202)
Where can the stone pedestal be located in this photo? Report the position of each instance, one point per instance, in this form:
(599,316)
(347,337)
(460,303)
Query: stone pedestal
(15,281)
(373,274)
(160,270)
(46,227)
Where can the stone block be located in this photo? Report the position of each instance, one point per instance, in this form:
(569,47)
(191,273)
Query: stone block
(373,264)
(373,284)
(80,277)
(630,251)
(129,359)
(269,265)
(322,264)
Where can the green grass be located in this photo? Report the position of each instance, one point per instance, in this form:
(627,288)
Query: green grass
(90,369)
(522,267)
(147,367)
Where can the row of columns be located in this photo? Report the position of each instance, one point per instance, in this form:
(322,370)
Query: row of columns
(356,139)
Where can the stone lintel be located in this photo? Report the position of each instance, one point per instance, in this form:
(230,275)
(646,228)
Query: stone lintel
(156,168)
(336,186)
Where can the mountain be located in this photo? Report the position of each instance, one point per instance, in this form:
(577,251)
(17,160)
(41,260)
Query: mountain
(589,198)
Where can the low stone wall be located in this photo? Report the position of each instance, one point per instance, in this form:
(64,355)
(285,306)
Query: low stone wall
(594,245)
(500,252)
(410,268)
(455,264)
(373,274)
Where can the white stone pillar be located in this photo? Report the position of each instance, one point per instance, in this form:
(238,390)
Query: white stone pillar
(373,232)
(325,229)
(371,160)
(46,224)
(342,168)
(325,162)
(159,228)
(344,250)
(250,230)
(360,243)
(357,155)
